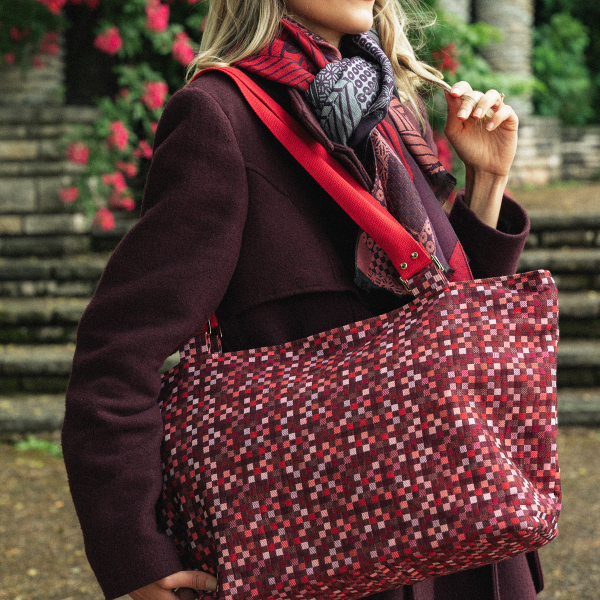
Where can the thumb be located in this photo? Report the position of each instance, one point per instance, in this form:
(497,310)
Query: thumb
(454,104)
(195,580)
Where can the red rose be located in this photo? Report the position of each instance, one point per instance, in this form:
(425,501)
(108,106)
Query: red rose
(104,219)
(68,195)
(54,6)
(144,150)
(130,169)
(78,153)
(119,136)
(110,41)
(154,94)
(157,16)
(182,50)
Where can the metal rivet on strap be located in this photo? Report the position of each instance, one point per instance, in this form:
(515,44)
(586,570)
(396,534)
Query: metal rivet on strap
(414,255)
(403,265)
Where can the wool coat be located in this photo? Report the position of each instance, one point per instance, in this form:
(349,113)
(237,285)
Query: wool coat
(230,223)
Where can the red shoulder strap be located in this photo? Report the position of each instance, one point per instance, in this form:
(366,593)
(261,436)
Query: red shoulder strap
(408,256)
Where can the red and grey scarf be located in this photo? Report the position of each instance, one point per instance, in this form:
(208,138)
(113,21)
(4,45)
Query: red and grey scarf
(351,96)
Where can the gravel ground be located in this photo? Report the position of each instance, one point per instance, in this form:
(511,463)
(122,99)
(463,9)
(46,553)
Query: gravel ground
(41,548)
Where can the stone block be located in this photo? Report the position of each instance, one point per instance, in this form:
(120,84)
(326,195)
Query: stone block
(81,114)
(16,114)
(533,241)
(44,245)
(17,195)
(48,188)
(43,360)
(25,269)
(51,131)
(572,282)
(56,224)
(555,239)
(11,225)
(51,150)
(44,385)
(88,268)
(30,414)
(19,150)
(12,132)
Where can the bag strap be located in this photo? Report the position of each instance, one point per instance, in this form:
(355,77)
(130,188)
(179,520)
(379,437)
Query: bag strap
(408,256)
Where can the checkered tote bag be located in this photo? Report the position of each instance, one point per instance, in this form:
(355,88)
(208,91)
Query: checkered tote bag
(382,453)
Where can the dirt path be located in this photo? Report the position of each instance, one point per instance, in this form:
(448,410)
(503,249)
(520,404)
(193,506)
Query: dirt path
(41,548)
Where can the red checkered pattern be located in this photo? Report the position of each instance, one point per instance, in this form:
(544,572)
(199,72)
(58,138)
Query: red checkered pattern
(381,453)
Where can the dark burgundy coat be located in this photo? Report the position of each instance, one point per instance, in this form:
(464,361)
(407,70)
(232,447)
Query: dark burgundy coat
(230,222)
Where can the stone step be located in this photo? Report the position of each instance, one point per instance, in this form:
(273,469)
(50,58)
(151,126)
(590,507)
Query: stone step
(579,407)
(579,314)
(560,229)
(40,320)
(572,268)
(17,170)
(32,116)
(44,245)
(69,276)
(35,369)
(543,220)
(31,413)
(46,368)
(25,413)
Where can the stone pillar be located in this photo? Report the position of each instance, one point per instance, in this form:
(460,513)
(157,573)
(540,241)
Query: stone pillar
(462,8)
(514,18)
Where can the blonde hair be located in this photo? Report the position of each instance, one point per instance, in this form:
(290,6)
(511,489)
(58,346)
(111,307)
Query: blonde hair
(236,29)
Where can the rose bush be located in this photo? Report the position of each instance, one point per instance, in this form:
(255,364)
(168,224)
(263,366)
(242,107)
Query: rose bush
(153,42)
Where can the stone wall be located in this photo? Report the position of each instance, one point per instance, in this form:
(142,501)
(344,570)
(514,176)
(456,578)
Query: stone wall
(33,168)
(539,153)
(580,152)
(550,152)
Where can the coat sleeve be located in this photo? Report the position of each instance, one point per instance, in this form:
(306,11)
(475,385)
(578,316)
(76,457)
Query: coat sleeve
(491,252)
(162,283)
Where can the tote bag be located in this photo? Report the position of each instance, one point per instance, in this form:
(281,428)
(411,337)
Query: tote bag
(407,446)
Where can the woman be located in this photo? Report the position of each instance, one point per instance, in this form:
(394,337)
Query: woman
(231,223)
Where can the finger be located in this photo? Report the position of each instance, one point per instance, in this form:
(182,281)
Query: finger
(195,580)
(152,592)
(460,88)
(506,116)
(492,99)
(469,104)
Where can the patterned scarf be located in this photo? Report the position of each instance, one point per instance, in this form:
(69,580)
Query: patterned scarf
(351,97)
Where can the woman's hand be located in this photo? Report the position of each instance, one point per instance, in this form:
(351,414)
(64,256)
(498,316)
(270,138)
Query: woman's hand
(184,582)
(486,147)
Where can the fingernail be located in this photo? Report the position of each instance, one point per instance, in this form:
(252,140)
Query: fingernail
(455,91)
(477,114)
(490,126)
(462,114)
(211,584)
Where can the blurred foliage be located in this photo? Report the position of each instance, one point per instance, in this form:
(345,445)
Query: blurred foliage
(567,59)
(24,26)
(559,62)
(31,442)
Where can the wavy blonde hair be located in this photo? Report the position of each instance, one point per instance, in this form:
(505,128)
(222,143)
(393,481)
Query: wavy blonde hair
(236,29)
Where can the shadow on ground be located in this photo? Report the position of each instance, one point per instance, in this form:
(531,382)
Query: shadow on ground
(41,548)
